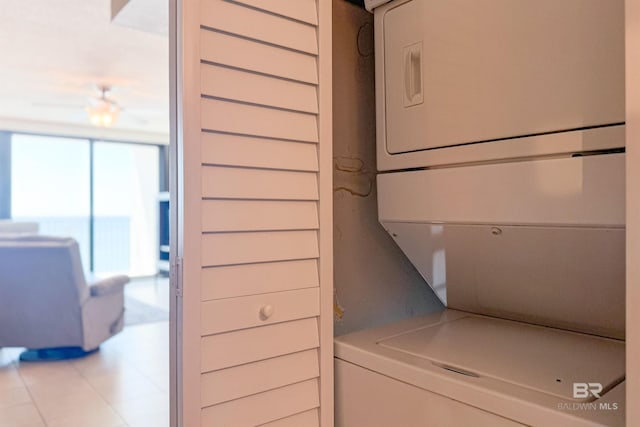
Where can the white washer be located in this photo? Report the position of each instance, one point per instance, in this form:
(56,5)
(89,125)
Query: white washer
(459,369)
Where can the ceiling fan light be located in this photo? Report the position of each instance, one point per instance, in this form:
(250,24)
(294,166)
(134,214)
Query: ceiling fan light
(103,114)
(115,113)
(95,119)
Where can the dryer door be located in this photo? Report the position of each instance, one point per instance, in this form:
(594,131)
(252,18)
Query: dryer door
(465,71)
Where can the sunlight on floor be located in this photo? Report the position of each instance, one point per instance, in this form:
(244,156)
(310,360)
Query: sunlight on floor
(153,291)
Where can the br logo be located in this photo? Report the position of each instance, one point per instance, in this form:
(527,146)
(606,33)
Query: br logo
(585,390)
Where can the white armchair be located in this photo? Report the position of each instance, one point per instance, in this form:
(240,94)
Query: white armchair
(45,303)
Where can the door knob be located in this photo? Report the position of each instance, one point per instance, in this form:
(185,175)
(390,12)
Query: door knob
(266,311)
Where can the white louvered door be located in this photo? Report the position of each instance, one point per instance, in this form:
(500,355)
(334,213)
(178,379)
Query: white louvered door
(253,213)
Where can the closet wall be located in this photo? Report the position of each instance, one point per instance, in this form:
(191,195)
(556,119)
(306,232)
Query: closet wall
(374,282)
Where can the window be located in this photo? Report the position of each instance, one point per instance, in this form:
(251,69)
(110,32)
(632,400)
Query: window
(103,194)
(50,186)
(125,188)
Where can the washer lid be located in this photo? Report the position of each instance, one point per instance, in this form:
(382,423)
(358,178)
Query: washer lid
(543,359)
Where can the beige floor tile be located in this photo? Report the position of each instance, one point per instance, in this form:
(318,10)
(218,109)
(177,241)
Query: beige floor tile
(123,386)
(35,372)
(119,377)
(146,411)
(43,391)
(139,350)
(153,291)
(14,396)
(99,363)
(69,401)
(143,404)
(9,377)
(161,380)
(25,415)
(157,418)
(153,368)
(86,416)
(116,370)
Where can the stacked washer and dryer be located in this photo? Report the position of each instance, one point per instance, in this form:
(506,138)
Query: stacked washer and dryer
(500,150)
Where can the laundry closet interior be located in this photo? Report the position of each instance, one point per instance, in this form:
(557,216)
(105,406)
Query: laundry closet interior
(479,212)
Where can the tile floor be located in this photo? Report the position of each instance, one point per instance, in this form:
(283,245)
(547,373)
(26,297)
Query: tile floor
(152,291)
(126,383)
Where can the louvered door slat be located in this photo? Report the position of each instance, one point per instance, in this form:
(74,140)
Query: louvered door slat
(248,22)
(226,49)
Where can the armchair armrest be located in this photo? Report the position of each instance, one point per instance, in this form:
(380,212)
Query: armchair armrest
(108,286)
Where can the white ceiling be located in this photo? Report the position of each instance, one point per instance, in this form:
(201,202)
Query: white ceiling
(57,52)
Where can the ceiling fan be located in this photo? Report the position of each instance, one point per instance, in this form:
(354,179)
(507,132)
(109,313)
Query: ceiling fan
(101,110)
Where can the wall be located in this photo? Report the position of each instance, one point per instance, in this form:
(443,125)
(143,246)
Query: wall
(633,210)
(374,282)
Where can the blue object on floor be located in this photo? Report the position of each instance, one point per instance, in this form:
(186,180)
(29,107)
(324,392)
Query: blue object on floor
(52,354)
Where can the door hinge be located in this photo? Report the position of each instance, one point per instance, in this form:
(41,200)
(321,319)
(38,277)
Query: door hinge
(176,276)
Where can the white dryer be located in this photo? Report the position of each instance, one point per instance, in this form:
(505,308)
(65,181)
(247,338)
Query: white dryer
(500,138)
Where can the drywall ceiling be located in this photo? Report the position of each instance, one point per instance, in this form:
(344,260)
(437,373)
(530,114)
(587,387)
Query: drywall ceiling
(54,54)
(146,15)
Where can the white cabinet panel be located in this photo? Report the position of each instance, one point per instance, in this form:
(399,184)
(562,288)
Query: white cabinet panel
(568,191)
(362,400)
